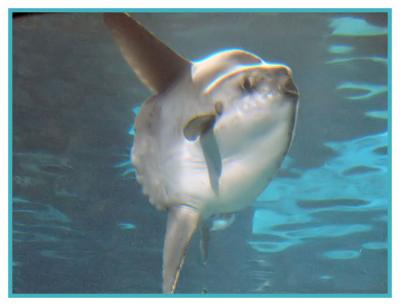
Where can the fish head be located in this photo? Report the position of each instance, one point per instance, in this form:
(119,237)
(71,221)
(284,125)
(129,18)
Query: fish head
(249,100)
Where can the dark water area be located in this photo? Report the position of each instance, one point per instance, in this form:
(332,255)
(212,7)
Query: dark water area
(80,221)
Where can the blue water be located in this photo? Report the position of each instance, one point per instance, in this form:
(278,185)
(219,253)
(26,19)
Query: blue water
(80,222)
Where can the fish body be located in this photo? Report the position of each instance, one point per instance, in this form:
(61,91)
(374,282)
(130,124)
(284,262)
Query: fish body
(252,135)
(211,138)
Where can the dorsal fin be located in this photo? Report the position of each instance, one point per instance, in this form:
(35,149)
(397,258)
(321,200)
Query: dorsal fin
(154,63)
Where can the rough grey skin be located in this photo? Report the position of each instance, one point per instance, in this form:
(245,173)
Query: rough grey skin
(211,138)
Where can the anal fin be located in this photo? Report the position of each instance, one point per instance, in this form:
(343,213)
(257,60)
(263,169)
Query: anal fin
(182,222)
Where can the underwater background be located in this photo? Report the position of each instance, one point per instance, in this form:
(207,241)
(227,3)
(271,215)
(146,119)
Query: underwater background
(80,223)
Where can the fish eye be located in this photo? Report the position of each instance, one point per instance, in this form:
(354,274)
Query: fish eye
(247,84)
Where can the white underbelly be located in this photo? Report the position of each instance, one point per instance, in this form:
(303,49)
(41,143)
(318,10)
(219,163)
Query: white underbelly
(243,176)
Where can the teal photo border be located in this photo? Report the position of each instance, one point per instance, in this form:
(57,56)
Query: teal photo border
(11,11)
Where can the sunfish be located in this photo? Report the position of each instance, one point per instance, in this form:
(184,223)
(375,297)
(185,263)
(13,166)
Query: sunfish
(211,138)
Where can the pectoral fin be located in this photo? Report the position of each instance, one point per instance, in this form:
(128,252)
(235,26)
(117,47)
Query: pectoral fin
(213,159)
(182,222)
(202,126)
(154,62)
(198,125)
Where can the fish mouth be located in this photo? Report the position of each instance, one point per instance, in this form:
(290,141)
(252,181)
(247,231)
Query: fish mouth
(290,89)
